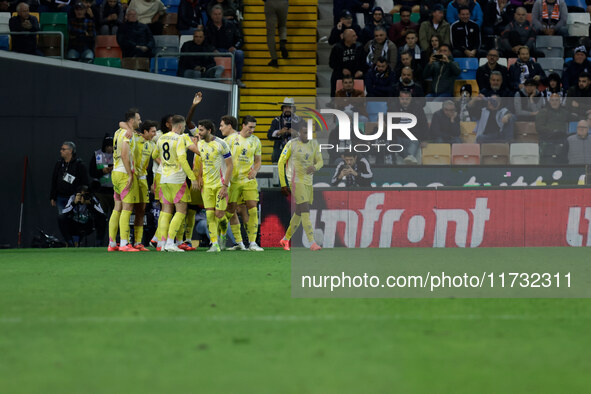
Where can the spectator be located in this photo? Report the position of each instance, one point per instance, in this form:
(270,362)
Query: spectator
(496,86)
(445,125)
(483,72)
(579,145)
(198,66)
(465,35)
(406,82)
(340,6)
(411,45)
(498,14)
(582,90)
(528,101)
(526,4)
(379,47)
(225,37)
(412,5)
(518,33)
(554,86)
(352,172)
(495,121)
(437,25)
(276,18)
(24,22)
(406,103)
(68,175)
(346,22)
(397,29)
(363,7)
(453,11)
(228,9)
(443,70)
(428,5)
(549,17)
(150,13)
(81,35)
(283,127)
(574,68)
(552,120)
(435,41)
(92,11)
(53,6)
(523,69)
(379,81)
(377,19)
(135,38)
(347,58)
(407,60)
(348,89)
(82,214)
(110,17)
(100,168)
(189,16)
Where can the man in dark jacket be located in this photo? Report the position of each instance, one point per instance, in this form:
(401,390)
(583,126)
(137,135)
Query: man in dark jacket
(377,15)
(406,82)
(445,124)
(283,126)
(380,79)
(465,35)
(69,174)
(346,58)
(575,67)
(82,32)
(23,22)
(519,32)
(552,121)
(134,38)
(198,66)
(580,106)
(497,15)
(483,72)
(189,16)
(453,11)
(444,72)
(496,86)
(346,22)
(407,104)
(523,69)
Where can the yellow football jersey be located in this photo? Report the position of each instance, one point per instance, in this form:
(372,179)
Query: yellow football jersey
(243,151)
(213,155)
(302,155)
(142,153)
(173,158)
(118,140)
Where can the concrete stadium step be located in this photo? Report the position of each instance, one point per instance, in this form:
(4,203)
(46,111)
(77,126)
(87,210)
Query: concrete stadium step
(293,9)
(296,31)
(280,70)
(293,39)
(251,24)
(279,77)
(290,17)
(282,62)
(292,54)
(280,84)
(268,91)
(269,99)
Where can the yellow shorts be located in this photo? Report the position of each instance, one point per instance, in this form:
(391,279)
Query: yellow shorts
(303,193)
(157,186)
(130,195)
(143,190)
(211,199)
(245,191)
(173,193)
(196,198)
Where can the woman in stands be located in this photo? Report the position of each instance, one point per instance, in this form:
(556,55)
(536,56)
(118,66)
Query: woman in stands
(554,86)
(434,41)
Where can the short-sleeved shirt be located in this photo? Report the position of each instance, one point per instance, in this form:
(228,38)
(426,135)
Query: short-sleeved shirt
(142,154)
(302,155)
(213,155)
(118,140)
(243,151)
(171,149)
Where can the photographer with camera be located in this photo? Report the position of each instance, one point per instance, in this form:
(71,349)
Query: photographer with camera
(444,71)
(82,214)
(352,172)
(281,129)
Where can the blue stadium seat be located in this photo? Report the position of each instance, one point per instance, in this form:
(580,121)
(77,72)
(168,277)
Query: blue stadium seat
(4,43)
(166,65)
(572,127)
(468,65)
(172,6)
(375,107)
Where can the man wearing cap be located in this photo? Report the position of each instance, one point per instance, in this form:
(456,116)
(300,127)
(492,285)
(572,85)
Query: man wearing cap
(82,33)
(346,22)
(575,67)
(549,17)
(437,25)
(281,129)
(528,101)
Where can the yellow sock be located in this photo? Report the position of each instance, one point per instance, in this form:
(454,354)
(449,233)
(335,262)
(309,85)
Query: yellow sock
(212,225)
(164,224)
(114,226)
(294,223)
(180,235)
(236,231)
(175,224)
(308,226)
(253,224)
(223,225)
(124,226)
(138,234)
(190,224)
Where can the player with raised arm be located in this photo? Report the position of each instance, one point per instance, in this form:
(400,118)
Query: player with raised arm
(214,151)
(246,155)
(124,183)
(174,193)
(307,159)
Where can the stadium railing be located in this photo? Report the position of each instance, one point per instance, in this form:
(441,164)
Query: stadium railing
(49,33)
(230,79)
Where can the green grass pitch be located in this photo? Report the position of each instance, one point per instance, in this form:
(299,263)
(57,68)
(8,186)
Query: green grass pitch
(85,321)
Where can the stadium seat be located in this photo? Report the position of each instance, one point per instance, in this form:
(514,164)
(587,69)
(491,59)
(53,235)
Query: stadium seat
(55,21)
(494,154)
(108,61)
(572,128)
(166,65)
(551,46)
(468,65)
(136,63)
(525,132)
(49,44)
(172,6)
(437,154)
(357,84)
(35,14)
(107,46)
(524,153)
(4,43)
(465,154)
(461,82)
(502,61)
(4,18)
(578,24)
(166,44)
(551,64)
(467,132)
(170,24)
(554,153)
(185,38)
(375,107)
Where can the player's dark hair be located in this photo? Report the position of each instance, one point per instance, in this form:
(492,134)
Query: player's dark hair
(232,121)
(147,125)
(247,119)
(177,119)
(207,124)
(163,122)
(130,114)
